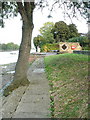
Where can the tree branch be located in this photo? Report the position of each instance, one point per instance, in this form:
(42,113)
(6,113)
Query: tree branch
(29,7)
(21,10)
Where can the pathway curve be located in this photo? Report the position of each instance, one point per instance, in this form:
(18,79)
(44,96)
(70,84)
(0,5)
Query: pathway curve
(35,103)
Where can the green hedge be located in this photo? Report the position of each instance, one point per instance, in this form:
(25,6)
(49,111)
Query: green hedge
(50,47)
(83,40)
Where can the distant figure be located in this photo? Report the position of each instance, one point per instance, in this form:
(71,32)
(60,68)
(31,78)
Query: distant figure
(33,50)
(38,49)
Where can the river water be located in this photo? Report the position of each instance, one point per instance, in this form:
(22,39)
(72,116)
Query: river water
(7,68)
(8,57)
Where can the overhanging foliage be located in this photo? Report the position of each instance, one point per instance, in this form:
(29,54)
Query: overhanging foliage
(69,7)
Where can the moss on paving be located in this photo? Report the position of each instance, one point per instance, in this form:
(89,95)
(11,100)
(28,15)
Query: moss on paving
(14,85)
(68,77)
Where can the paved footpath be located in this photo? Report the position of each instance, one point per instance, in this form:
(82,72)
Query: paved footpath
(35,103)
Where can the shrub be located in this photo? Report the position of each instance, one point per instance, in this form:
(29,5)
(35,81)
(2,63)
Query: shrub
(83,40)
(50,47)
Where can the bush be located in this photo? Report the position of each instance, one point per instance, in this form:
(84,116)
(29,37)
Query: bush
(50,47)
(86,47)
(83,40)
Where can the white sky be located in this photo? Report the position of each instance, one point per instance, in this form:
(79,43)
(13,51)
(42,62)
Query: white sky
(12,31)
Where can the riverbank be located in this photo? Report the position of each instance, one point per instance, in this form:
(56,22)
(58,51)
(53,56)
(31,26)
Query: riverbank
(7,73)
(8,70)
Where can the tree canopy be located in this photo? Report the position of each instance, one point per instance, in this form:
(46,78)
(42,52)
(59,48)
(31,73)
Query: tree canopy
(60,31)
(10,9)
(51,33)
(54,33)
(45,32)
(73,31)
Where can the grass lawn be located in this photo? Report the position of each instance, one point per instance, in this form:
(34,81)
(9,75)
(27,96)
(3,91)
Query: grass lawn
(67,75)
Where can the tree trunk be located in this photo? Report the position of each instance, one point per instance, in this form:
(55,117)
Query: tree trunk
(20,76)
(24,53)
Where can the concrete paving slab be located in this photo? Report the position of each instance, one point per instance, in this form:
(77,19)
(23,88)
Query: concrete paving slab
(10,104)
(38,90)
(36,98)
(33,107)
(31,115)
(39,70)
(35,103)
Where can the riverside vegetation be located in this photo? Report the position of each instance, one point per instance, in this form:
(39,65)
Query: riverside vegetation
(9,46)
(68,78)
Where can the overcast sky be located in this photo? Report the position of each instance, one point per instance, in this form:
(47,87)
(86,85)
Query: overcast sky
(12,31)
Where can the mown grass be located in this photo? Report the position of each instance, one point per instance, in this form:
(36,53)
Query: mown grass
(67,75)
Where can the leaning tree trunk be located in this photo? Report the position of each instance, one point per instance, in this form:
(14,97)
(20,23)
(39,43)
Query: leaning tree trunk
(20,77)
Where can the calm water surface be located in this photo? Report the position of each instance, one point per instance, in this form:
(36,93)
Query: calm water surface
(8,57)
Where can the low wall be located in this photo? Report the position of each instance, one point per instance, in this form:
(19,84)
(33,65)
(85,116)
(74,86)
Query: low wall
(82,52)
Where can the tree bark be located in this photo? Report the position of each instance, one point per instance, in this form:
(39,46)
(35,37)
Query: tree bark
(24,53)
(20,76)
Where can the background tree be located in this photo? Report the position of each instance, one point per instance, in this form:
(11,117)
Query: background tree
(12,46)
(4,47)
(45,32)
(73,31)
(38,41)
(83,40)
(61,31)
(25,9)
(9,46)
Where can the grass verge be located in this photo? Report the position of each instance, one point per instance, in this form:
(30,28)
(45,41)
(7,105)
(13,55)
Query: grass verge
(67,75)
